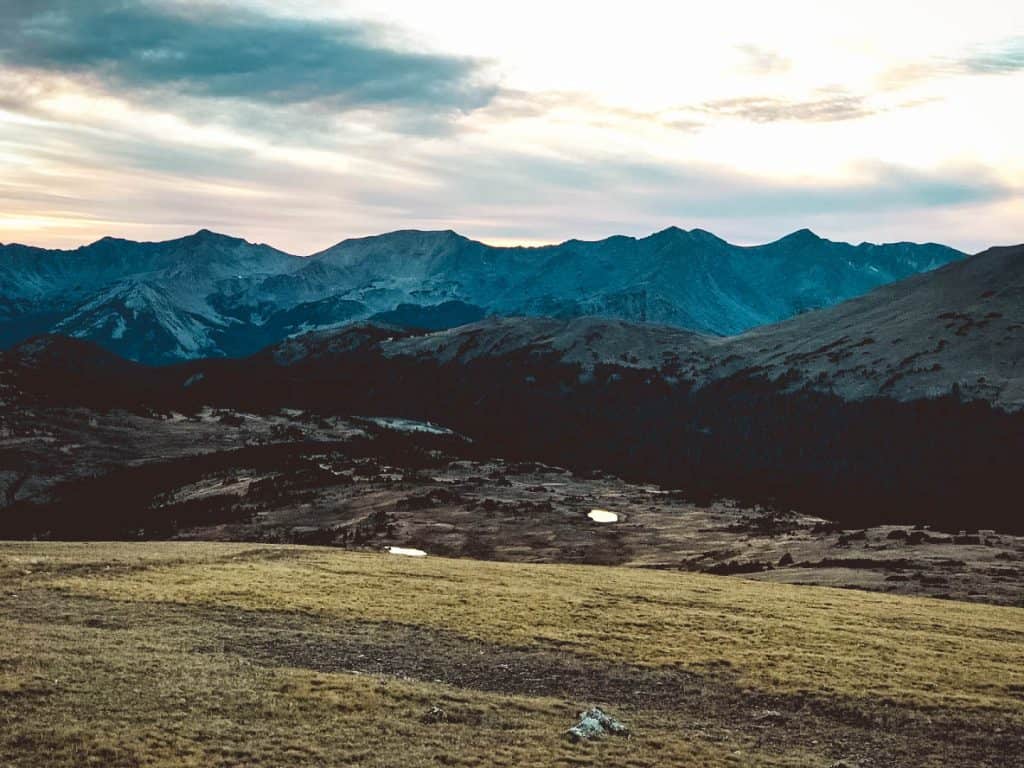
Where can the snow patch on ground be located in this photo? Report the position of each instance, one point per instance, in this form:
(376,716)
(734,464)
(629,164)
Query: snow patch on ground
(406,551)
(332,470)
(409,425)
(603,516)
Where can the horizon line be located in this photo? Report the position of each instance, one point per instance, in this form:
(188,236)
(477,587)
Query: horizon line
(517,244)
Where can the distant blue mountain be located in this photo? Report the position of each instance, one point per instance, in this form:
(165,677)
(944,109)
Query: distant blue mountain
(211,295)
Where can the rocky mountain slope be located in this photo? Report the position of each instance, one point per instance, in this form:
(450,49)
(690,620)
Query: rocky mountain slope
(208,295)
(958,330)
(690,279)
(156,302)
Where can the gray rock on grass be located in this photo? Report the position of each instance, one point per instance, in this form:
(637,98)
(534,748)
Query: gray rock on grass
(595,723)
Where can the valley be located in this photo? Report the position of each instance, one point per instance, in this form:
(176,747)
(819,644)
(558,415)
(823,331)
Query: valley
(901,407)
(369,485)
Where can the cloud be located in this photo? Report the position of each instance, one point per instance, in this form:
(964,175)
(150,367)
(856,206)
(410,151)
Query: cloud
(583,192)
(876,187)
(93,183)
(514,194)
(149,120)
(763,109)
(763,61)
(513,104)
(1001,59)
(830,105)
(218,53)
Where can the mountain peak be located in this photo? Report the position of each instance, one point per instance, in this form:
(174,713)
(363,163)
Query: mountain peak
(107,240)
(423,234)
(801,236)
(704,235)
(694,235)
(209,236)
(670,231)
(410,241)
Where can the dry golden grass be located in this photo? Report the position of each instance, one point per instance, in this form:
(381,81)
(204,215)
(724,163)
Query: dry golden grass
(88,696)
(778,637)
(119,663)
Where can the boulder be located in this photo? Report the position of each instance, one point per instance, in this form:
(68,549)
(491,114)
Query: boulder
(594,723)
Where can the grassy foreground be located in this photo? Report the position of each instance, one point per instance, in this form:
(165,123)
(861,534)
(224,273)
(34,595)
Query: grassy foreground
(214,654)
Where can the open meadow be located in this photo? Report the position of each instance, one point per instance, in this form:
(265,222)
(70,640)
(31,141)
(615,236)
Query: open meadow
(205,654)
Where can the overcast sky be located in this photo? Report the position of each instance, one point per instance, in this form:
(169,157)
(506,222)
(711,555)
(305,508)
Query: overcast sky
(302,122)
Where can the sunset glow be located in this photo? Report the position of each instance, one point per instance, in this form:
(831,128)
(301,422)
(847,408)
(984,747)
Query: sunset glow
(531,122)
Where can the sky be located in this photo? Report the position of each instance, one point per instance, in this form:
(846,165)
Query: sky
(302,122)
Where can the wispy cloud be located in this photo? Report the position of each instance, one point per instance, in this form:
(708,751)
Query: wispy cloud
(697,190)
(829,107)
(998,58)
(512,104)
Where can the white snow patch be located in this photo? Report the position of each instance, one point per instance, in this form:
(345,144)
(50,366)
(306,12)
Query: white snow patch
(406,551)
(603,516)
(332,470)
(120,327)
(409,425)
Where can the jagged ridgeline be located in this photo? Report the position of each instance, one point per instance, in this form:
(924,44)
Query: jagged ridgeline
(209,295)
(906,404)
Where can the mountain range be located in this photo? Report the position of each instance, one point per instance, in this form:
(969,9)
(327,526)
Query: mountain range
(904,404)
(210,295)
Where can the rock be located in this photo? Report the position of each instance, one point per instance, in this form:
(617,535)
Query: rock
(844,764)
(786,559)
(434,715)
(594,723)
